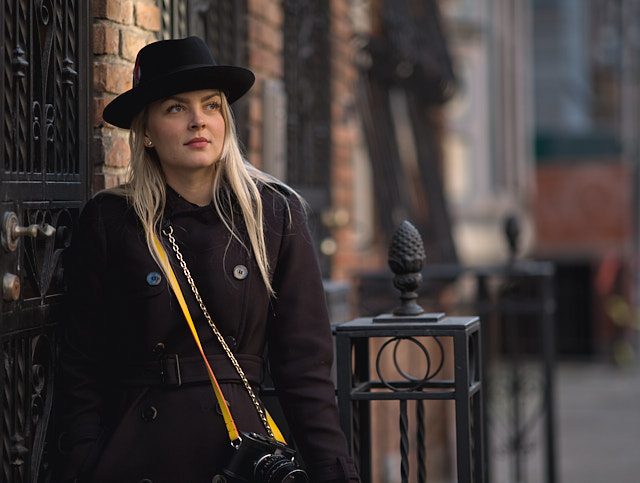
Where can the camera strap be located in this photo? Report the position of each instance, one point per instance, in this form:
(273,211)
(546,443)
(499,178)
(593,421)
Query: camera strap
(271,427)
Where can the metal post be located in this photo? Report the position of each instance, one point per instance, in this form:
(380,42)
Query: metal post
(549,350)
(404,442)
(358,389)
(420,439)
(359,385)
(463,416)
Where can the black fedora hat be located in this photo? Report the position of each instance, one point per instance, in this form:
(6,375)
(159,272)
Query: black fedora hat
(169,67)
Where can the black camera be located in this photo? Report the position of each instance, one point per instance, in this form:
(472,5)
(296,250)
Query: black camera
(262,460)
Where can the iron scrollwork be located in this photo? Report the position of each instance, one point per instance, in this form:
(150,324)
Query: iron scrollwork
(20,64)
(28,363)
(41,85)
(48,119)
(43,255)
(411,383)
(44,142)
(68,73)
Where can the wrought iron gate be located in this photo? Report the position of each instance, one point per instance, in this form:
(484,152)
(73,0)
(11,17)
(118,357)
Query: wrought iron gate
(43,183)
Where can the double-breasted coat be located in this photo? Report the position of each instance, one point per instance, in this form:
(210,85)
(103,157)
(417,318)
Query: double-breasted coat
(136,403)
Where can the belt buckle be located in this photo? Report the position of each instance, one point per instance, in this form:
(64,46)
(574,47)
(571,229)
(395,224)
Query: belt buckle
(163,371)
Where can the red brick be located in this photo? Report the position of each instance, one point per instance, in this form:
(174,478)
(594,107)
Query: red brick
(255,29)
(147,16)
(257,6)
(106,39)
(118,11)
(116,149)
(342,136)
(98,182)
(255,137)
(273,39)
(127,12)
(112,78)
(99,104)
(339,9)
(132,41)
(255,157)
(105,9)
(274,14)
(255,110)
(119,79)
(581,208)
(110,178)
(268,63)
(270,11)
(343,175)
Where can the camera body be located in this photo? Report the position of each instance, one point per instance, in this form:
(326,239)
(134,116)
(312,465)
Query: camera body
(262,460)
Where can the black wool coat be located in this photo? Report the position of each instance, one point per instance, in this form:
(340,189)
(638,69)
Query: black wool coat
(125,417)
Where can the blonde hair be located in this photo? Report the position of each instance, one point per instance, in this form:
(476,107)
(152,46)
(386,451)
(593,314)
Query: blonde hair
(235,183)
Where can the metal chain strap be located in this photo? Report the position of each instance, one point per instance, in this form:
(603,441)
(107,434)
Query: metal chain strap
(169,234)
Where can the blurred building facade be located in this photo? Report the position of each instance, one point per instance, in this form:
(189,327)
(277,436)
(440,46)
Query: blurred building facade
(544,125)
(586,82)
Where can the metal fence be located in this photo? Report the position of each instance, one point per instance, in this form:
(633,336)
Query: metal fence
(515,305)
(361,383)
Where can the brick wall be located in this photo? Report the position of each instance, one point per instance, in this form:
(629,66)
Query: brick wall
(583,209)
(265,21)
(265,45)
(120,29)
(349,258)
(343,132)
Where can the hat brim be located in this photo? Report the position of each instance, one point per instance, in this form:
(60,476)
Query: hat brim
(233,81)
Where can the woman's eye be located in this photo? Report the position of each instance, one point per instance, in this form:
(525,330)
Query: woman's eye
(213,106)
(174,108)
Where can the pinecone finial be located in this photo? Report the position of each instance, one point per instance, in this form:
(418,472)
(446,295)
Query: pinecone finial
(406,258)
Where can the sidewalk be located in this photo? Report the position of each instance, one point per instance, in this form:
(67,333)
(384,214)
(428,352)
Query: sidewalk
(597,430)
(598,417)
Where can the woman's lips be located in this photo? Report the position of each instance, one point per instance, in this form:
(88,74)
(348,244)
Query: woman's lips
(198,143)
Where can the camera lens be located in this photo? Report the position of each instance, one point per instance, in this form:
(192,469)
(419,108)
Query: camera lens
(279,469)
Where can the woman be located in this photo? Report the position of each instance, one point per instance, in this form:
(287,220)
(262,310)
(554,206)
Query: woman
(138,404)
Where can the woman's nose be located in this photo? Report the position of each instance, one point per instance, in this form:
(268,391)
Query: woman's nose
(197,121)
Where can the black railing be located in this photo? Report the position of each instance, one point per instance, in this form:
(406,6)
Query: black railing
(516,305)
(360,385)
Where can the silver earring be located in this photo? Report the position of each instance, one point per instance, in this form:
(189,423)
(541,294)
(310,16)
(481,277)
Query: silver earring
(149,143)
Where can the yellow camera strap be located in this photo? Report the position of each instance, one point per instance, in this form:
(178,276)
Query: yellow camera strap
(234,435)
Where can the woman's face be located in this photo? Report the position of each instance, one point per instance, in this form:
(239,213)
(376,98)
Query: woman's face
(187,131)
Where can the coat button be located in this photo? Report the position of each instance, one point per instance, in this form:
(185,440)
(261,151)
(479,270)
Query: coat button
(149,413)
(154,278)
(159,349)
(240,272)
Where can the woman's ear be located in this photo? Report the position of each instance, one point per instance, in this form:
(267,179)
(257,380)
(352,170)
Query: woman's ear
(147,139)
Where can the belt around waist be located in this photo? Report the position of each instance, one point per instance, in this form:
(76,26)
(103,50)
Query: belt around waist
(173,370)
